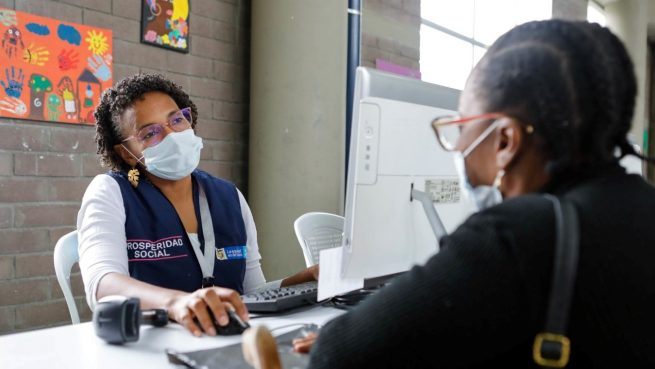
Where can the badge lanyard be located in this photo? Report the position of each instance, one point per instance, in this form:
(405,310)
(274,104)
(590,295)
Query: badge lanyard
(206,260)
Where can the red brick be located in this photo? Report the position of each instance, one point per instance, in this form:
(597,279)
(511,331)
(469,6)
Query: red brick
(70,140)
(70,189)
(45,215)
(42,315)
(23,240)
(123,28)
(91,166)
(56,233)
(83,309)
(7,319)
(127,8)
(23,137)
(6,267)
(34,265)
(18,189)
(77,285)
(6,216)
(6,164)
(51,9)
(16,292)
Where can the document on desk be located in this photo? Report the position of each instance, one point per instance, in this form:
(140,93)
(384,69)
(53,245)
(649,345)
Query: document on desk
(330,282)
(231,357)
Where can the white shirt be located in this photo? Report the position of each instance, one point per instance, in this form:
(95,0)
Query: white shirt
(102,240)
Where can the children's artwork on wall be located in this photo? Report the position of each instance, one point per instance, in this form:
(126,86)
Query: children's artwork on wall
(52,70)
(165,23)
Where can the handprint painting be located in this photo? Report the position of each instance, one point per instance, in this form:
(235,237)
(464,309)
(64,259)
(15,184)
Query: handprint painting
(51,70)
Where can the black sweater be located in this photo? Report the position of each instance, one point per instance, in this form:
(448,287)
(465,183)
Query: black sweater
(482,299)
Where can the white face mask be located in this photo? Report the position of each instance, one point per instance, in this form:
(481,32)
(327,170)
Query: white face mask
(483,196)
(175,157)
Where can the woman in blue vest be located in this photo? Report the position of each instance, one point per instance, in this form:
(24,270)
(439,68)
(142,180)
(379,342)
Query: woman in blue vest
(155,227)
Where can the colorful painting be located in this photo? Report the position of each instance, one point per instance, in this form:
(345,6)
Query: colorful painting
(52,70)
(165,23)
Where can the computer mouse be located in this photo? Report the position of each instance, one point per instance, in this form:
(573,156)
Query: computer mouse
(234,326)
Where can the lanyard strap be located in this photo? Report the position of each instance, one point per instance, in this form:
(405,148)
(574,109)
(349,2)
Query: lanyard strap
(206,259)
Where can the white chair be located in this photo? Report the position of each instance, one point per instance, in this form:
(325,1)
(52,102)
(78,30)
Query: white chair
(318,231)
(65,256)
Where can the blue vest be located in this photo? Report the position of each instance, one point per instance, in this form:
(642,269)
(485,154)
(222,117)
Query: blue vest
(158,248)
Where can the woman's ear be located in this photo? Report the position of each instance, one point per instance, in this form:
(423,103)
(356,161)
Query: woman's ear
(509,142)
(122,152)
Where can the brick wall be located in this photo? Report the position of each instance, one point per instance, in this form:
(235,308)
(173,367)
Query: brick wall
(45,167)
(381,45)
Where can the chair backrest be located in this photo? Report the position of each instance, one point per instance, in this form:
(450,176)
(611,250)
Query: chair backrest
(318,231)
(65,257)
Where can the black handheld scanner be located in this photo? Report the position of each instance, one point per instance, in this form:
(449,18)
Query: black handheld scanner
(117,319)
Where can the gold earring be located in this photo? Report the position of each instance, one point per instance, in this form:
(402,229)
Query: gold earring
(133,177)
(499,178)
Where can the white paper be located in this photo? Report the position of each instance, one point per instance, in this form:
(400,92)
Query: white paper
(330,282)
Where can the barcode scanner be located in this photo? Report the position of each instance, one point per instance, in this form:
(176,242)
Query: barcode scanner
(117,319)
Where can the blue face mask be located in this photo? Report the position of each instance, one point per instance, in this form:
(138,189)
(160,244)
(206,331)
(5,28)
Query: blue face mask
(483,196)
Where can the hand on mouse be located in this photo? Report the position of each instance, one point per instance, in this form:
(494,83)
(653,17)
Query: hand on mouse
(303,345)
(185,307)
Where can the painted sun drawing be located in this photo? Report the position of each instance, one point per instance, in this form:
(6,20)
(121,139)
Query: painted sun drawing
(97,42)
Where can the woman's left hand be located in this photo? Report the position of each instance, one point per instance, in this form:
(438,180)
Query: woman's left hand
(305,275)
(314,270)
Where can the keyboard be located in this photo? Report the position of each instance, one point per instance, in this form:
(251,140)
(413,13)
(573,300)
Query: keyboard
(282,298)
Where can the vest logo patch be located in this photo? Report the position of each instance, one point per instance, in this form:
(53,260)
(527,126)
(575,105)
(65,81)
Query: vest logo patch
(232,253)
(143,250)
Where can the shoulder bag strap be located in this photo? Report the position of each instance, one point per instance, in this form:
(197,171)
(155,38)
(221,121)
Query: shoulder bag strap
(552,347)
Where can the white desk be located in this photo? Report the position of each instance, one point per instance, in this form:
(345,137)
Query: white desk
(77,346)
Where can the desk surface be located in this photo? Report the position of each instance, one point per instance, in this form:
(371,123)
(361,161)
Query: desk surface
(77,346)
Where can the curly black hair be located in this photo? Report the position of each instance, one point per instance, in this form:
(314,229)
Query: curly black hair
(573,81)
(116,100)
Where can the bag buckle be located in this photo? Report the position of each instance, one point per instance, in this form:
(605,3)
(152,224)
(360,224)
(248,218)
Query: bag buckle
(558,350)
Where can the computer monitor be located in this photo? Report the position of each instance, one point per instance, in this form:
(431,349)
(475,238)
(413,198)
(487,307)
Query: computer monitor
(392,151)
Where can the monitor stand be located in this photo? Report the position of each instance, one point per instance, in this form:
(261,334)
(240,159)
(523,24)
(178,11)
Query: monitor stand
(425,199)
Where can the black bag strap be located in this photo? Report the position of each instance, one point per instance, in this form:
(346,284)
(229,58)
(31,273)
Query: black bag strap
(552,347)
